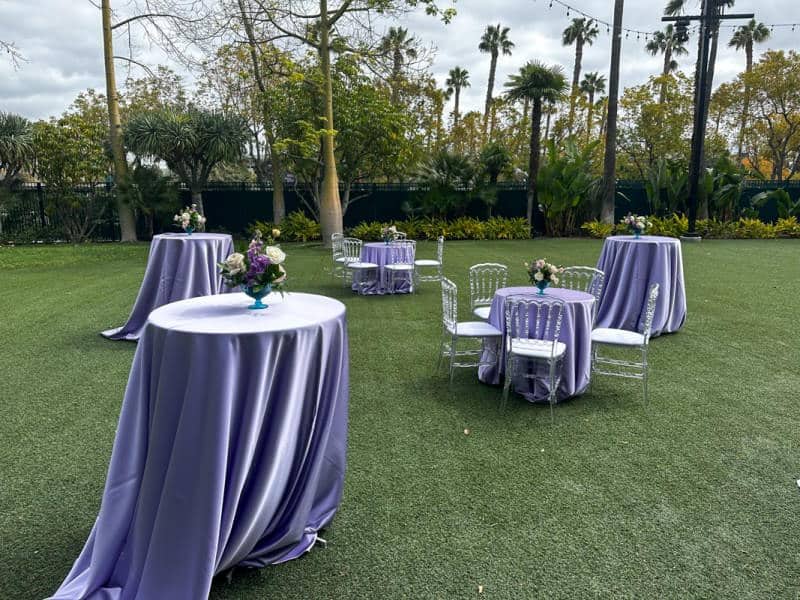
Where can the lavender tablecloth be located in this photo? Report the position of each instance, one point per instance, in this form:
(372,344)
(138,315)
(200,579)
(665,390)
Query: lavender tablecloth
(179,266)
(631,266)
(576,331)
(230,448)
(379,253)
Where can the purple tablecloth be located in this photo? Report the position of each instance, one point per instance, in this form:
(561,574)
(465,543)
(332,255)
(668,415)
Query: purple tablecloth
(631,266)
(179,266)
(380,254)
(576,331)
(230,448)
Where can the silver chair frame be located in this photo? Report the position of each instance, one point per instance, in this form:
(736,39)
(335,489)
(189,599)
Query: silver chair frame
(585,279)
(604,365)
(484,280)
(400,253)
(539,319)
(439,275)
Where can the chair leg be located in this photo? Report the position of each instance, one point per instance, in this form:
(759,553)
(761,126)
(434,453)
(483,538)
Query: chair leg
(553,391)
(452,357)
(441,354)
(644,374)
(506,385)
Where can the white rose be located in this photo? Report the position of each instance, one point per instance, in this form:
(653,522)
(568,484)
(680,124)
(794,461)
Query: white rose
(275,255)
(538,276)
(554,280)
(282,278)
(235,263)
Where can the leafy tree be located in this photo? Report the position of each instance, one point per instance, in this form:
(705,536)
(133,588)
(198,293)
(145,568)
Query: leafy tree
(400,47)
(743,39)
(16,147)
(592,84)
(494,160)
(669,43)
(153,195)
(190,143)
(71,159)
(457,79)
(539,83)
(493,41)
(580,32)
(449,179)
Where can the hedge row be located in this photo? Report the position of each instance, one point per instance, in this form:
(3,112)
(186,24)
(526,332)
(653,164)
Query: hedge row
(676,226)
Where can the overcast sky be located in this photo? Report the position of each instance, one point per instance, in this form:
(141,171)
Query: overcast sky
(62,42)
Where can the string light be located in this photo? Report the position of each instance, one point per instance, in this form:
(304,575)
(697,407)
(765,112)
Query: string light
(640,33)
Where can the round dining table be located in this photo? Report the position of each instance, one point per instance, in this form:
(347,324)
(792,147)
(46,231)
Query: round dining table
(179,266)
(576,332)
(373,281)
(631,265)
(230,447)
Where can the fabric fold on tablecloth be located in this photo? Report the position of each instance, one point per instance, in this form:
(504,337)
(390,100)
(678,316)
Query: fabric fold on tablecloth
(230,450)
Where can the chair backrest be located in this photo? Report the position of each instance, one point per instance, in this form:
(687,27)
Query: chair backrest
(652,297)
(484,280)
(336,244)
(402,252)
(440,249)
(533,318)
(585,279)
(400,235)
(449,305)
(351,249)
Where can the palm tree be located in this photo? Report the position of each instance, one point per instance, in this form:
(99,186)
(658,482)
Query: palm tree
(457,79)
(191,143)
(610,152)
(16,147)
(581,31)
(540,83)
(593,83)
(670,44)
(744,37)
(400,47)
(493,41)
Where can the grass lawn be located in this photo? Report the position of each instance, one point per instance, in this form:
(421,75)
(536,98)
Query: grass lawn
(693,496)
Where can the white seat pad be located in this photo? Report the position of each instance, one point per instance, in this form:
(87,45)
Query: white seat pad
(399,267)
(619,337)
(341,259)
(536,348)
(427,262)
(476,329)
(482,312)
(361,265)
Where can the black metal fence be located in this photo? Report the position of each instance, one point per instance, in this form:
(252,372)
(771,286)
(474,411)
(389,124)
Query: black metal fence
(26,215)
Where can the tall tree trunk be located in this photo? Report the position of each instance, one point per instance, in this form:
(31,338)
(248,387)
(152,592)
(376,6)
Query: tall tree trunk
(748,49)
(489,89)
(330,208)
(590,114)
(702,206)
(547,129)
(667,60)
(127,221)
(278,200)
(397,68)
(533,161)
(610,160)
(455,108)
(576,75)
(197,198)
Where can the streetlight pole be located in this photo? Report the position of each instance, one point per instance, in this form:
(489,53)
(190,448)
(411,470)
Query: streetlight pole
(709,18)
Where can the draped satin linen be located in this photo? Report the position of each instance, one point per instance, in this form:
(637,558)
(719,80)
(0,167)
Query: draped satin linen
(631,267)
(179,266)
(576,333)
(379,253)
(230,448)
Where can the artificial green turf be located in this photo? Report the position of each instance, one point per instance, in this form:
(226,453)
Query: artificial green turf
(694,495)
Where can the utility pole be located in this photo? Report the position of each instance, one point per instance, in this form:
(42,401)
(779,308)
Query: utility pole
(709,18)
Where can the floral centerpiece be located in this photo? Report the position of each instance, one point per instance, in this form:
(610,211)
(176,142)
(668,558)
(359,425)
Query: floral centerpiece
(542,273)
(389,234)
(189,219)
(637,224)
(257,272)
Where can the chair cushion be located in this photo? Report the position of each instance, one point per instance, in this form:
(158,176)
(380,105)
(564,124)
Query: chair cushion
(618,337)
(536,348)
(482,312)
(399,267)
(476,329)
(426,262)
(361,265)
(340,259)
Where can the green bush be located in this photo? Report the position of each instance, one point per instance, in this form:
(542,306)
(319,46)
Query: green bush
(753,229)
(296,227)
(463,228)
(787,228)
(598,229)
(678,225)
